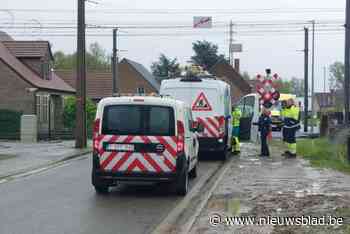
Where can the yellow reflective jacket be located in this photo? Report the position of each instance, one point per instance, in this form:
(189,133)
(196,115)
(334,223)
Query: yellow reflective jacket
(291,116)
(236,117)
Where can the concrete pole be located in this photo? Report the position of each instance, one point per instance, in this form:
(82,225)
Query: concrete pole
(231,42)
(115,63)
(306,80)
(347,73)
(313,76)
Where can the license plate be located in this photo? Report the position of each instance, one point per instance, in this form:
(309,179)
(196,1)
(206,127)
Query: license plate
(121,147)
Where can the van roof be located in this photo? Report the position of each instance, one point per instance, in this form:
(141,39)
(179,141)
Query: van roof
(166,101)
(177,82)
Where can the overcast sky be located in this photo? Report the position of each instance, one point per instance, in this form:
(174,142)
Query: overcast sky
(281,51)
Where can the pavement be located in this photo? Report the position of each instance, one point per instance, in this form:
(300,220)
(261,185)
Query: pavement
(63,201)
(275,187)
(17,157)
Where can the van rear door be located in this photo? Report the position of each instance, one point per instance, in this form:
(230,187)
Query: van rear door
(138,139)
(208,107)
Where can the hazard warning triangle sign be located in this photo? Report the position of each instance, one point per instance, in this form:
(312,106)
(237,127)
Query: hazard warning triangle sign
(201,103)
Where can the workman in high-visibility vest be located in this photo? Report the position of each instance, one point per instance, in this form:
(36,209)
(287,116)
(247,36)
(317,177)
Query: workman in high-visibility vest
(291,125)
(236,119)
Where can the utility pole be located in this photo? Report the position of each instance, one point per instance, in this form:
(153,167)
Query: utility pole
(347,72)
(115,62)
(324,78)
(306,80)
(231,42)
(80,131)
(313,77)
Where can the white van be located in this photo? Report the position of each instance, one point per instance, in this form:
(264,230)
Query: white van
(144,139)
(210,100)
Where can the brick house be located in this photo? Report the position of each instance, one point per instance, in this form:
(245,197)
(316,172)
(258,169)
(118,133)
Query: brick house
(28,85)
(225,72)
(325,101)
(134,78)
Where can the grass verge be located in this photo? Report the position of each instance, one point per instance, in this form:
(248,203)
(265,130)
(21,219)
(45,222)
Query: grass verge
(324,154)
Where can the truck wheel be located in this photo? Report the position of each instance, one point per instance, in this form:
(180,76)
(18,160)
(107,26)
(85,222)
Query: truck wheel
(182,183)
(193,172)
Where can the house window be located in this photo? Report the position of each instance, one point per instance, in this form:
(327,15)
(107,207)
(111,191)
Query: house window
(42,108)
(45,71)
(141,90)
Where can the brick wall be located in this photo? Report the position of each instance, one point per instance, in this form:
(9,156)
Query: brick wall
(130,80)
(33,63)
(36,64)
(13,93)
(236,93)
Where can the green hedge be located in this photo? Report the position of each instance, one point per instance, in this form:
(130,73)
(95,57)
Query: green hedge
(69,114)
(10,124)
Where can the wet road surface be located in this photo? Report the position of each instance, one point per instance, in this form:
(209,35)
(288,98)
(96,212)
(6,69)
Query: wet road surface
(62,200)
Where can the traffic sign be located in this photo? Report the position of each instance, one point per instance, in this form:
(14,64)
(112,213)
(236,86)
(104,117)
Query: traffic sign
(236,48)
(202,22)
(201,103)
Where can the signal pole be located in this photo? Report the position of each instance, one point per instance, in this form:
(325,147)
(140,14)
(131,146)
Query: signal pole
(80,131)
(306,80)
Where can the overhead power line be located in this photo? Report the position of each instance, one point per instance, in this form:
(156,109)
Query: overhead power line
(186,11)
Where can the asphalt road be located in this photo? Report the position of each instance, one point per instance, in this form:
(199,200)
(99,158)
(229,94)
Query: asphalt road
(62,200)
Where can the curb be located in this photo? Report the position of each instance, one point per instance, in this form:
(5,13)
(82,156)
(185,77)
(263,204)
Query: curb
(41,167)
(200,193)
(217,178)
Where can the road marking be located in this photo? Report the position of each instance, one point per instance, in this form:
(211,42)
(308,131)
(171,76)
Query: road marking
(41,169)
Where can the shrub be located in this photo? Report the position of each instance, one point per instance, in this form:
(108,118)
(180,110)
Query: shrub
(70,110)
(10,124)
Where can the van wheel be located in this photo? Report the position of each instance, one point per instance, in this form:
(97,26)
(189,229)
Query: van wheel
(193,172)
(101,186)
(182,183)
(101,189)
(223,155)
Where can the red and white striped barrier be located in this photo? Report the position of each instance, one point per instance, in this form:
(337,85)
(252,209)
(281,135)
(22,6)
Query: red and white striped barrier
(214,127)
(129,162)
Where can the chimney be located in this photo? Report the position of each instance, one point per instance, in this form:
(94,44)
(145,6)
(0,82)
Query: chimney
(237,65)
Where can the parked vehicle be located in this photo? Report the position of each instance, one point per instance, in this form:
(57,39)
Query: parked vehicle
(276,111)
(144,139)
(210,100)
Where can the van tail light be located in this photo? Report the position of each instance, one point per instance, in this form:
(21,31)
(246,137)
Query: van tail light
(95,134)
(180,137)
(222,126)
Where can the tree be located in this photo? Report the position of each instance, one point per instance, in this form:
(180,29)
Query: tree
(206,54)
(96,59)
(297,86)
(165,68)
(336,71)
(284,86)
(246,76)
